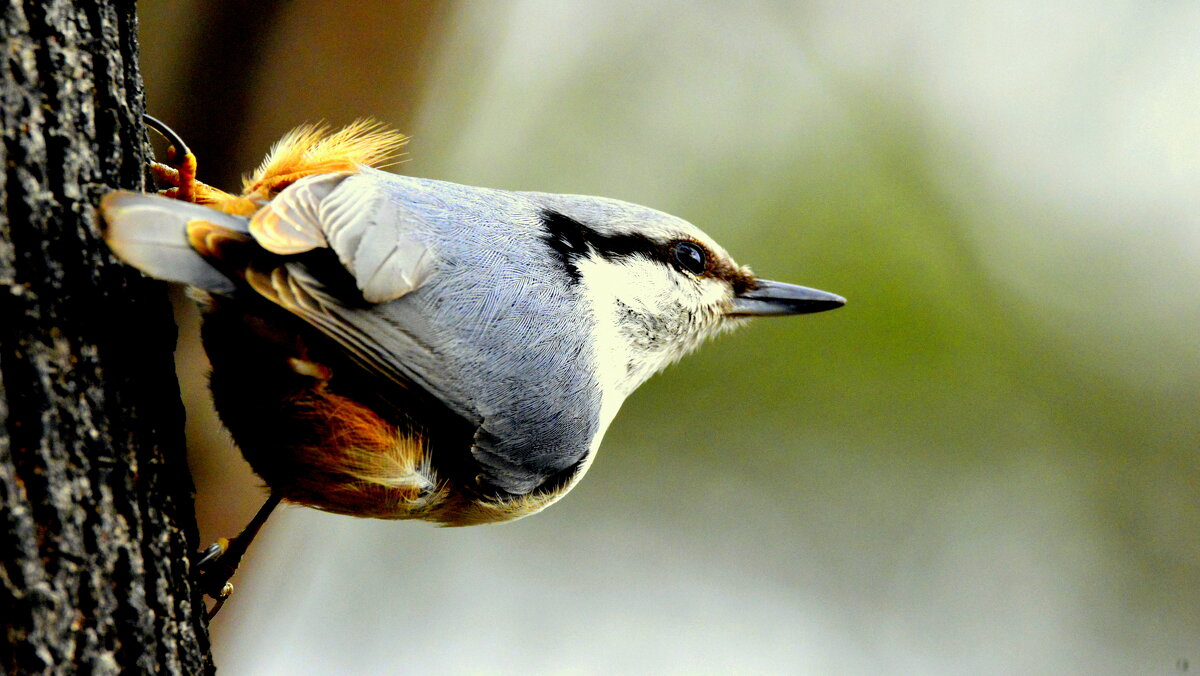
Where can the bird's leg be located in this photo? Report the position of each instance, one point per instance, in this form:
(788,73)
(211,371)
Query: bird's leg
(220,561)
(179,171)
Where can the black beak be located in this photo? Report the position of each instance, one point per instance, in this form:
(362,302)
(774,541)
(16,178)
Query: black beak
(776,298)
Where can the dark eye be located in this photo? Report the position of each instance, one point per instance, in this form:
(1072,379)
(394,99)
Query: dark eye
(690,256)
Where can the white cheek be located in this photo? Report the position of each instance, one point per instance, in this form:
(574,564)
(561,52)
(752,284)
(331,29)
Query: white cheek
(617,289)
(606,286)
(642,285)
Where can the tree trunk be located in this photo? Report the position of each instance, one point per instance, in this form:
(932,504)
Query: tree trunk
(95,500)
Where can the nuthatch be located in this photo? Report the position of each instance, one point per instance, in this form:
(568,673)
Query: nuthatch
(403,348)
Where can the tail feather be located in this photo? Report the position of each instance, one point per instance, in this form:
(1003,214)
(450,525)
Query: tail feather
(149,232)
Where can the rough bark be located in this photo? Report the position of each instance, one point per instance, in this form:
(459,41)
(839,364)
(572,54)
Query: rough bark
(96,518)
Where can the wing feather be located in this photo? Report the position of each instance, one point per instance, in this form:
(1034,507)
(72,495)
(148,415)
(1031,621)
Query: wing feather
(378,345)
(349,213)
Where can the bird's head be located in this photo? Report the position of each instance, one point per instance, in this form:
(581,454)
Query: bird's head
(656,285)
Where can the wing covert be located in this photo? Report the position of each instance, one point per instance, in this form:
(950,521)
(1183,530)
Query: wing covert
(350,214)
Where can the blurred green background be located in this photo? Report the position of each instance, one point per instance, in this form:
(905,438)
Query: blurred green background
(986,463)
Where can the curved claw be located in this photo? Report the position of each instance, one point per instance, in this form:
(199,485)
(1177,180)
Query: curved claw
(167,133)
(214,552)
(179,171)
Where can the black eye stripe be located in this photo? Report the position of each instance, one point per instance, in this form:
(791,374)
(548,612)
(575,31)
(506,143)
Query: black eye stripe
(570,240)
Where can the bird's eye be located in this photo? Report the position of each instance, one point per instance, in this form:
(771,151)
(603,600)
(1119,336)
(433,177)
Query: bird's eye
(690,256)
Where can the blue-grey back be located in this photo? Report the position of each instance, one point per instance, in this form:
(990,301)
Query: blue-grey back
(495,329)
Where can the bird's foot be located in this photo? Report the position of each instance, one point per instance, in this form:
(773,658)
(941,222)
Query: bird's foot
(179,171)
(220,561)
(214,568)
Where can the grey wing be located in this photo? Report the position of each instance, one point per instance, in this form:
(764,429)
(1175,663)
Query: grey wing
(350,215)
(535,419)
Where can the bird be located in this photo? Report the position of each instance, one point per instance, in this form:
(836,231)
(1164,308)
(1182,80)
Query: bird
(396,347)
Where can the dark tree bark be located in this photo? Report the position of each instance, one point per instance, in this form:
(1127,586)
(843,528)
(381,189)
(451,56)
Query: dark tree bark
(96,506)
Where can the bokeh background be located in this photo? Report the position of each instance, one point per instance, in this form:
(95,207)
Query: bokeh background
(986,463)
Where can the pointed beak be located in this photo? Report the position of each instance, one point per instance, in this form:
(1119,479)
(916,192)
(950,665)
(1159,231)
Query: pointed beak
(776,298)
